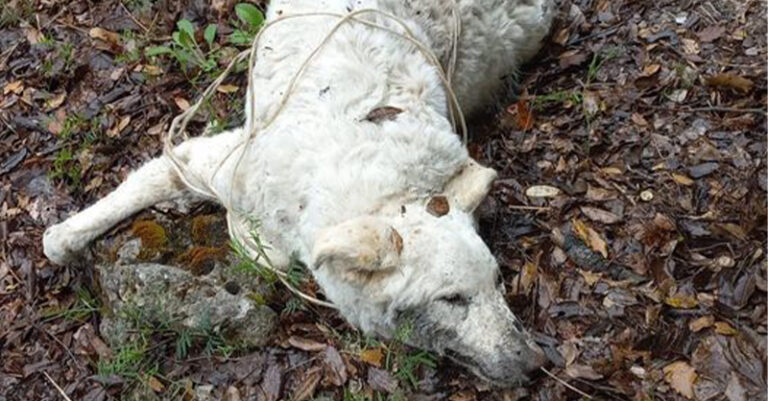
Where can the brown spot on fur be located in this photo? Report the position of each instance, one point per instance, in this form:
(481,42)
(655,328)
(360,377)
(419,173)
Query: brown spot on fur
(397,240)
(438,206)
(385,113)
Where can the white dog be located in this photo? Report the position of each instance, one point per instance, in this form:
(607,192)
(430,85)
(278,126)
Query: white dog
(347,193)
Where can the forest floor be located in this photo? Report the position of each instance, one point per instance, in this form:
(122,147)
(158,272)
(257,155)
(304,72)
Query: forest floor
(629,217)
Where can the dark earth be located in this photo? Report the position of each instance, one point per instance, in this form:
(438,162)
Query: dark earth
(629,218)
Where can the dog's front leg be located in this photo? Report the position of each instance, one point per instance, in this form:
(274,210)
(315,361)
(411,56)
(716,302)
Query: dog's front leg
(154,182)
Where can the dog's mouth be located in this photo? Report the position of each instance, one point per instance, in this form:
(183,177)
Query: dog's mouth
(475,368)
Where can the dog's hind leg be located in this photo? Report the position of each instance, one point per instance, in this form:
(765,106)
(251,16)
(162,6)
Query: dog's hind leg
(154,182)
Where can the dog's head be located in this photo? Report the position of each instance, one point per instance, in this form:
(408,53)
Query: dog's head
(426,267)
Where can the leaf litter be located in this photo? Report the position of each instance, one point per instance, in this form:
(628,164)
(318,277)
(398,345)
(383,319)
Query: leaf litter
(629,213)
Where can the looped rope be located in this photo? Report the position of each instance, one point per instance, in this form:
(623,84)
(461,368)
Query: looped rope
(179,124)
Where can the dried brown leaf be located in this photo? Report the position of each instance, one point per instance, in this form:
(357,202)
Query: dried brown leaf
(701,323)
(725,329)
(579,371)
(372,356)
(105,35)
(308,385)
(542,191)
(590,237)
(681,376)
(731,81)
(711,33)
(336,369)
(305,344)
(600,215)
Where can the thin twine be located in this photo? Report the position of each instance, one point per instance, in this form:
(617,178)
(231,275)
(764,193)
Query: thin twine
(206,187)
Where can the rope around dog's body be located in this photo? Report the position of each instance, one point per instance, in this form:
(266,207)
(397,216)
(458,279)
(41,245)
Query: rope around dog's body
(206,187)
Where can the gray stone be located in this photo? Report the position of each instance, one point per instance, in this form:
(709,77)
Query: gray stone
(169,295)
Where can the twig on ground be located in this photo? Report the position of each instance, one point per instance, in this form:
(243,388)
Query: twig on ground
(705,109)
(60,390)
(535,208)
(63,346)
(564,383)
(134,19)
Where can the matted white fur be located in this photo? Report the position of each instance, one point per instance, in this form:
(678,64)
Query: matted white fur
(348,195)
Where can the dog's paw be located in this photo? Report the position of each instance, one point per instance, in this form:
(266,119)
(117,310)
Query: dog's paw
(58,244)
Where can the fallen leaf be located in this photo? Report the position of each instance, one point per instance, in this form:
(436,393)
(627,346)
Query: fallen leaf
(638,120)
(153,70)
(597,194)
(678,95)
(542,191)
(56,101)
(572,57)
(33,36)
(682,301)
(611,171)
(155,384)
(528,276)
(308,385)
(663,222)
(272,382)
(600,215)
(590,102)
(681,376)
(523,115)
(119,127)
(690,46)
(381,380)
(590,278)
(650,69)
(732,81)
(336,369)
(703,169)
(590,237)
(578,371)
(725,329)
(182,103)
(13,87)
(682,179)
(701,323)
(372,356)
(305,344)
(105,35)
(735,391)
(561,36)
(227,88)
(711,33)
(733,229)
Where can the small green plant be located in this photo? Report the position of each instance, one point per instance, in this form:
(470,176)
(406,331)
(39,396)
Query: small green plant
(251,19)
(185,48)
(559,97)
(598,59)
(66,167)
(84,307)
(261,265)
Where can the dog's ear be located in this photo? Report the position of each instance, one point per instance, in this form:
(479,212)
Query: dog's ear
(470,185)
(359,250)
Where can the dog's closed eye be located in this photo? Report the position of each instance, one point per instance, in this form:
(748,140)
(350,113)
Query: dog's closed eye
(455,300)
